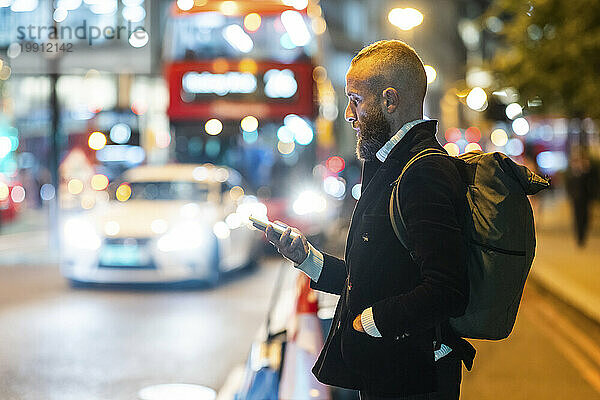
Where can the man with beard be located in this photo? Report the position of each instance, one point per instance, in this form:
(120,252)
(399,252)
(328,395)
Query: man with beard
(390,337)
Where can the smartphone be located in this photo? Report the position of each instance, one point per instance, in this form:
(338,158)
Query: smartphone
(263,223)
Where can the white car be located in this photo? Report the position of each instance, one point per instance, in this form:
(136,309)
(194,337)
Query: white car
(176,223)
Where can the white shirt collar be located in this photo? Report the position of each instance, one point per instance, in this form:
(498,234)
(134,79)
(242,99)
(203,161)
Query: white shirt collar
(385,151)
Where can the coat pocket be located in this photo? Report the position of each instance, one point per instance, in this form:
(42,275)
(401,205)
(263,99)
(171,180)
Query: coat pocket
(382,358)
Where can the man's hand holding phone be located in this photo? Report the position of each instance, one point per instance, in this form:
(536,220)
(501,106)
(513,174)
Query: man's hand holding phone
(290,242)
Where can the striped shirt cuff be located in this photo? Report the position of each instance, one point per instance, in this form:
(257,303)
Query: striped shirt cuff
(442,352)
(313,264)
(368,323)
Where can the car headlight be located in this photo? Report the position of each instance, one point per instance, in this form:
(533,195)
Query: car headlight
(183,237)
(81,234)
(309,202)
(248,206)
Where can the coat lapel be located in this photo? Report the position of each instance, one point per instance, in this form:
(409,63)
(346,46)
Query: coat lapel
(384,176)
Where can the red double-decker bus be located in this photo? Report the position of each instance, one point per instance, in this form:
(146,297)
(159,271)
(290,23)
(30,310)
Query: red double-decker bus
(241,78)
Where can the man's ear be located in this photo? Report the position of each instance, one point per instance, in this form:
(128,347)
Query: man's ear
(391,99)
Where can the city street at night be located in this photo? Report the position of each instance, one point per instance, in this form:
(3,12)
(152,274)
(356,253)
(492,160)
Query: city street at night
(299,199)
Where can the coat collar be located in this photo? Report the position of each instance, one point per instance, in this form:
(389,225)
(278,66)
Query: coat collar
(421,135)
(384,152)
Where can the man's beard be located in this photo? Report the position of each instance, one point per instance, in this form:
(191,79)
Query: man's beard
(373,134)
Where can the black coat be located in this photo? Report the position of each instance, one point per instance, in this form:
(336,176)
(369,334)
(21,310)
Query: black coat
(408,298)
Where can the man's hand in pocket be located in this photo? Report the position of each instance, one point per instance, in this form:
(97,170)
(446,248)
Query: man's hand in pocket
(357,324)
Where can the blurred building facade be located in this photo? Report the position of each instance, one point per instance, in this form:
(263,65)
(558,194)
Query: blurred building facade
(116,69)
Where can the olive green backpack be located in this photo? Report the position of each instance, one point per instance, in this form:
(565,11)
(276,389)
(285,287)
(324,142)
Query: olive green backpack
(500,236)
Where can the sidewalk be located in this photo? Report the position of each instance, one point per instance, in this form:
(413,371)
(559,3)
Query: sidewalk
(26,240)
(569,272)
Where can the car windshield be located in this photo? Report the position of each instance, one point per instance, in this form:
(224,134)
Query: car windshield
(192,191)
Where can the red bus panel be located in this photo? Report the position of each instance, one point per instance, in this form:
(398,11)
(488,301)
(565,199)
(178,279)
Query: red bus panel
(237,100)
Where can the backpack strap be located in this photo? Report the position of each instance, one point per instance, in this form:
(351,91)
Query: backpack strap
(418,156)
(400,232)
